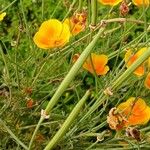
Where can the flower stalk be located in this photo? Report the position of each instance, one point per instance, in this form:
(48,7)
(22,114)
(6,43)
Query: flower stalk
(80,5)
(94,12)
(67,122)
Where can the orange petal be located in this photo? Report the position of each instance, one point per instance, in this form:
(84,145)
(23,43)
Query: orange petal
(77,28)
(97,65)
(135,110)
(132,104)
(143,118)
(51,34)
(141,2)
(130,58)
(110,2)
(147,81)
(64,36)
(42,41)
(139,71)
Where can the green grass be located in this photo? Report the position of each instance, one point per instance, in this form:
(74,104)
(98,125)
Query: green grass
(24,66)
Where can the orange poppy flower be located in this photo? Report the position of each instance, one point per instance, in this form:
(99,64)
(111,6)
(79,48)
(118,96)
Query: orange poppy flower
(132,112)
(2,15)
(130,58)
(147,81)
(51,34)
(98,64)
(141,2)
(110,2)
(76,23)
(95,63)
(135,111)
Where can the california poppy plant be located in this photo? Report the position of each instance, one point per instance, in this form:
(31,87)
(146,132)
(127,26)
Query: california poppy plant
(76,23)
(130,58)
(135,110)
(51,34)
(2,15)
(110,2)
(95,63)
(141,2)
(132,112)
(147,81)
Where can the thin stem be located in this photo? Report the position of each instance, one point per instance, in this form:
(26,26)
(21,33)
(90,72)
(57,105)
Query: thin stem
(8,6)
(80,5)
(131,69)
(122,20)
(94,12)
(35,131)
(67,122)
(70,9)
(13,135)
(7,80)
(42,10)
(39,72)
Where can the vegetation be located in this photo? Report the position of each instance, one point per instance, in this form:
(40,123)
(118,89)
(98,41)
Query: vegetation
(74,74)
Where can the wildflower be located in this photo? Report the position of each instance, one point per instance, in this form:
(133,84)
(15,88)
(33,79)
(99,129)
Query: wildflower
(130,58)
(147,81)
(2,15)
(77,23)
(52,34)
(141,2)
(135,111)
(110,2)
(95,63)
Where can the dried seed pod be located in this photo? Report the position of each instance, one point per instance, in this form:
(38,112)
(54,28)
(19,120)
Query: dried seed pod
(124,8)
(134,133)
(115,120)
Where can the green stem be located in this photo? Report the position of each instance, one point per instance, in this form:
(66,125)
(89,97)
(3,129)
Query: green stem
(70,9)
(12,135)
(7,79)
(80,5)
(35,131)
(131,69)
(67,122)
(69,77)
(73,71)
(8,6)
(94,12)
